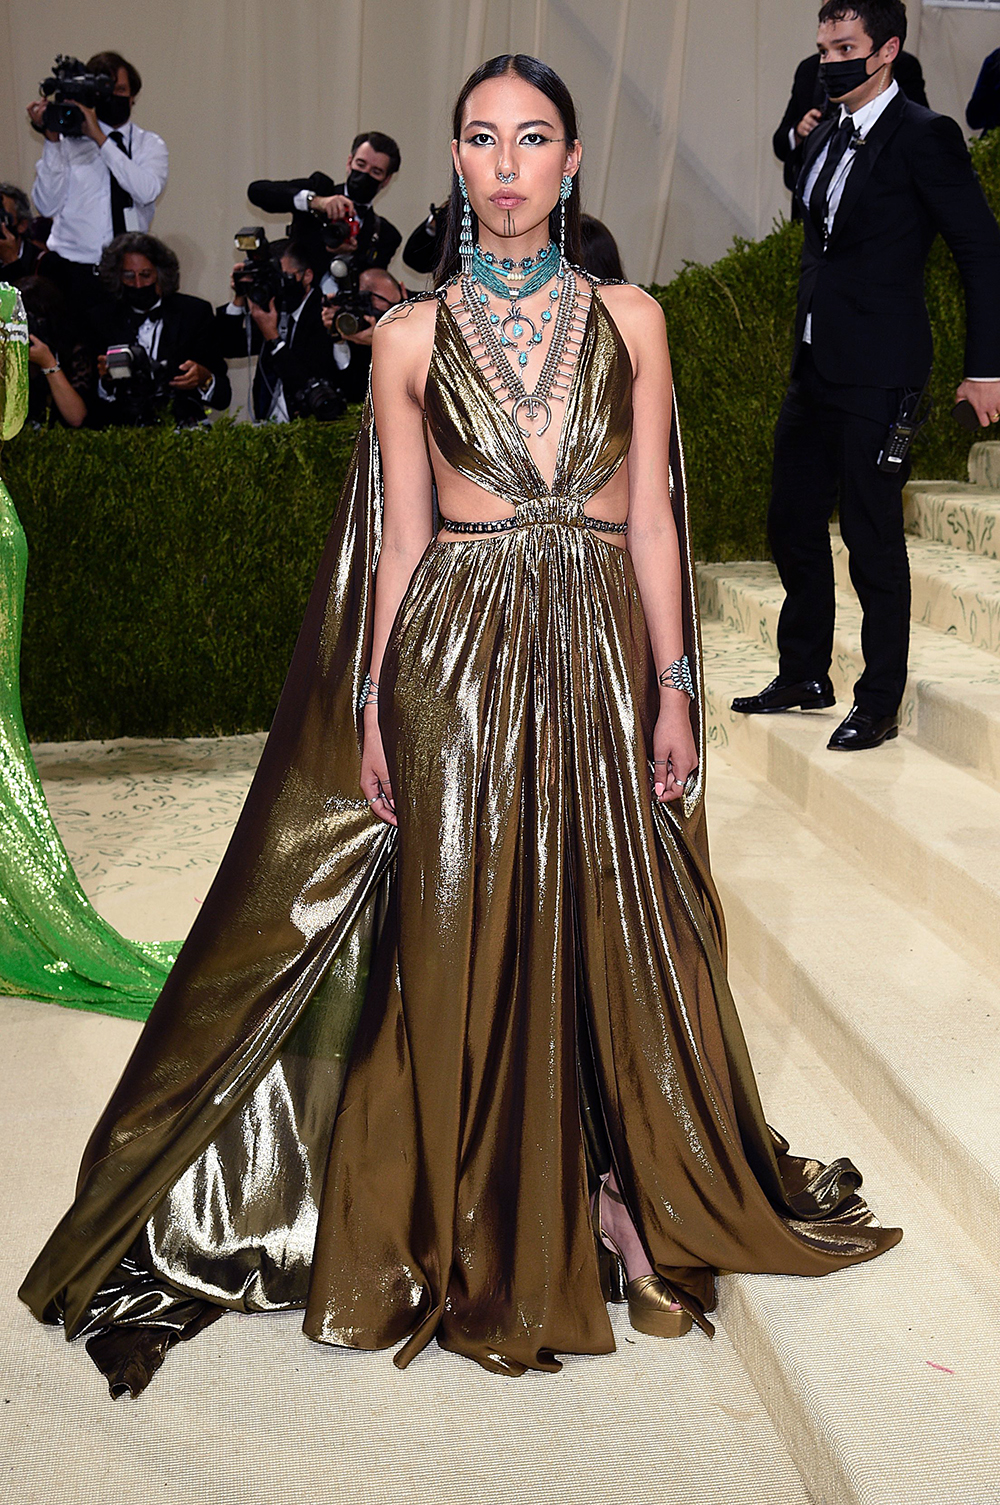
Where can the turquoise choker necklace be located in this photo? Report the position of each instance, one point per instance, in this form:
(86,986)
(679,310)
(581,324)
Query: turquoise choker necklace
(531,274)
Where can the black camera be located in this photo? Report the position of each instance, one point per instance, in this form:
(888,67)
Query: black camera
(354,308)
(8,221)
(140,384)
(69,85)
(318,399)
(259,277)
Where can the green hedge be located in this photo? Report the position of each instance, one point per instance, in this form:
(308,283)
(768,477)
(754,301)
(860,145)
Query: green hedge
(168,572)
(731,327)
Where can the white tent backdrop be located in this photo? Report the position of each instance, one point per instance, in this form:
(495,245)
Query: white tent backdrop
(678,100)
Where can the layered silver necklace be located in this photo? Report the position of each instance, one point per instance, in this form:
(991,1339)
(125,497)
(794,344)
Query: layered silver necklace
(497,333)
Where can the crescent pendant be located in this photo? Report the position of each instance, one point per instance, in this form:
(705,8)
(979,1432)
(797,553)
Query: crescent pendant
(532,406)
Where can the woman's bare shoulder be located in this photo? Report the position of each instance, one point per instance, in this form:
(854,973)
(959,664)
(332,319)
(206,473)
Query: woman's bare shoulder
(403,337)
(632,305)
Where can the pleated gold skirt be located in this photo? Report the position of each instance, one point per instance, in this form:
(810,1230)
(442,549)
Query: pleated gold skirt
(549,996)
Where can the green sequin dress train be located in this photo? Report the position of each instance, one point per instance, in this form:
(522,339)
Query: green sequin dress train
(53,943)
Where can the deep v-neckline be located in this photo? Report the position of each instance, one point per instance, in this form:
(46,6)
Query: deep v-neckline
(545,488)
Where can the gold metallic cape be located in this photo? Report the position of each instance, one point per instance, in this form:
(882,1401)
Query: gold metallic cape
(547,992)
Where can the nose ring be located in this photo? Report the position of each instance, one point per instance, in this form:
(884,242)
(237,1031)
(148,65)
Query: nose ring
(506,177)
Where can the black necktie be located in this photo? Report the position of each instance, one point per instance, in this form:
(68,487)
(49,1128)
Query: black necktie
(121,199)
(819,198)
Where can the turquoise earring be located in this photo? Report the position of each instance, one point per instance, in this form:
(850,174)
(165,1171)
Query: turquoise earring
(565,189)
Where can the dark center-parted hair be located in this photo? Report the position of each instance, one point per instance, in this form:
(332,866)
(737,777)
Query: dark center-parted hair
(881,19)
(109,63)
(379,142)
(545,79)
(139,244)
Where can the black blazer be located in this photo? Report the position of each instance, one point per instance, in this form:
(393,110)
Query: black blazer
(983,109)
(912,179)
(276,198)
(809,94)
(306,355)
(189,334)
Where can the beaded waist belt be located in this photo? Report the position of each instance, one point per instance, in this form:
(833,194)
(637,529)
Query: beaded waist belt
(505,524)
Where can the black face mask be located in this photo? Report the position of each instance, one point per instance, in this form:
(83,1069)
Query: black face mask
(141,297)
(290,294)
(116,110)
(841,79)
(361,187)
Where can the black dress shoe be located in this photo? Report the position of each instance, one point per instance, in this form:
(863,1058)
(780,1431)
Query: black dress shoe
(806,695)
(858,730)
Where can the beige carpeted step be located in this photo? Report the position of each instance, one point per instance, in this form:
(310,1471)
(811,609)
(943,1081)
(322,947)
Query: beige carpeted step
(984,463)
(951,704)
(880,1378)
(954,592)
(956,513)
(924,830)
(909,1025)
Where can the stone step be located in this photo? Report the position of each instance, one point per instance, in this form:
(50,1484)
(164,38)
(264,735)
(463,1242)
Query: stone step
(956,513)
(906,1022)
(878,1378)
(922,829)
(984,463)
(954,592)
(951,704)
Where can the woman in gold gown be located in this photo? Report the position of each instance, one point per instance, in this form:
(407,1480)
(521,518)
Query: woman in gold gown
(419,1046)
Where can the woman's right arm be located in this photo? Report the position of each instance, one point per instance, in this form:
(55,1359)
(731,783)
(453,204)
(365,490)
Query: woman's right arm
(400,354)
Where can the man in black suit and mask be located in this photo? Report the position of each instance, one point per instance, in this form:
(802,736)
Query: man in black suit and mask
(174,333)
(810,103)
(878,182)
(296,374)
(371,166)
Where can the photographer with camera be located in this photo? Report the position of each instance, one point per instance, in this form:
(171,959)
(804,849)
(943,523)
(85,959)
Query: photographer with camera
(276,314)
(99,174)
(60,371)
(17,254)
(350,318)
(337,219)
(154,345)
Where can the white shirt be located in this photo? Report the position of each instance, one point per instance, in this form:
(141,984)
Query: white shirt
(863,120)
(72,185)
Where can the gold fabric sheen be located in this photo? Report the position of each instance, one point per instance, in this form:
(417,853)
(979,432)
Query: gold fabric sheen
(536,961)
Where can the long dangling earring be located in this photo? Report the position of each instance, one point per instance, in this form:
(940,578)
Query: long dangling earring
(565,190)
(465,246)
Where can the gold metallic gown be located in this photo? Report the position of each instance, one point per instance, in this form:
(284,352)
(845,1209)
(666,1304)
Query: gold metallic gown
(388,1067)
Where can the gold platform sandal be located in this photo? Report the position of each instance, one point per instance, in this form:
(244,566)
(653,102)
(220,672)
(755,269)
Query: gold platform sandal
(652,1306)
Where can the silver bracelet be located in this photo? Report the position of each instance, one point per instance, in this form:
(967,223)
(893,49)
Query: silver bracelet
(679,677)
(366,697)
(51,370)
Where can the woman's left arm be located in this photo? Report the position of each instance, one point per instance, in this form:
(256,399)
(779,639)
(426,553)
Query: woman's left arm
(652,534)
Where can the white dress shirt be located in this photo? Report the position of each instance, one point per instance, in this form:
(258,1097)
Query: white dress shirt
(72,185)
(863,120)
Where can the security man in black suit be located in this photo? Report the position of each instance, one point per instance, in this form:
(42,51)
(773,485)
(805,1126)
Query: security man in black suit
(373,163)
(296,373)
(139,276)
(879,181)
(810,104)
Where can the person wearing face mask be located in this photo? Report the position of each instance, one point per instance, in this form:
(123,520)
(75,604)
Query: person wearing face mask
(879,182)
(295,365)
(97,185)
(318,205)
(810,104)
(140,277)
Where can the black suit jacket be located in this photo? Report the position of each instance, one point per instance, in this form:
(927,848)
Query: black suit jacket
(189,334)
(276,197)
(307,354)
(809,94)
(912,179)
